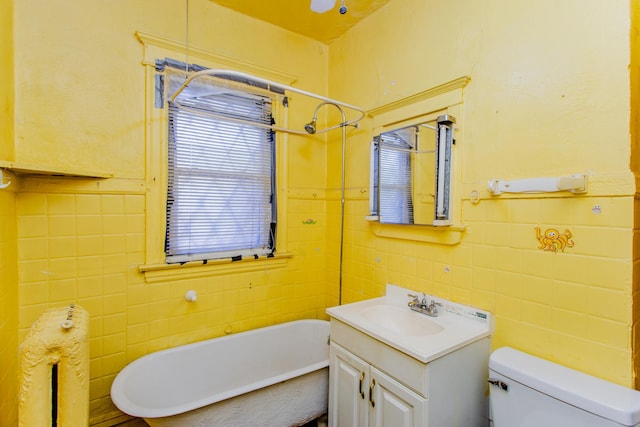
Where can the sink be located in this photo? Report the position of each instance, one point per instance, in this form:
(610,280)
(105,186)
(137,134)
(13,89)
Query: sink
(400,321)
(389,320)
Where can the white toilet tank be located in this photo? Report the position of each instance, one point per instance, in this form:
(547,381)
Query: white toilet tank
(527,391)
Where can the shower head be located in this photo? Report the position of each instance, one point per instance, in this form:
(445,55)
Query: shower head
(311,126)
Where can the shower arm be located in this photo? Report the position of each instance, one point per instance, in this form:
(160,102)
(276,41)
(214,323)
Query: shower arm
(343,123)
(270,84)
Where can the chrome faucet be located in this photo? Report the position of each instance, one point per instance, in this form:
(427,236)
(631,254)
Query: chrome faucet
(421,306)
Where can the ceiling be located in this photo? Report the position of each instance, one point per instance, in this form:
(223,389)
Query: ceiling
(296,15)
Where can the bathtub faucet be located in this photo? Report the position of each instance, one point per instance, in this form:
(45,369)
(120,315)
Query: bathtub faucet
(421,306)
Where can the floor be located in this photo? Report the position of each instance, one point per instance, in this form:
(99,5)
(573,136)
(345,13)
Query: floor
(136,422)
(139,422)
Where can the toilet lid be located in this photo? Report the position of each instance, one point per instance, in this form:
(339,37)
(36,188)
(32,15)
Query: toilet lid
(600,397)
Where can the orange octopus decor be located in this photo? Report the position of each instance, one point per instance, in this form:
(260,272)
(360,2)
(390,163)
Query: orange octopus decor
(553,241)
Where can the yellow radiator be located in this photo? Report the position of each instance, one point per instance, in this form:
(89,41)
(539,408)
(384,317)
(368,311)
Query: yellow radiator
(54,370)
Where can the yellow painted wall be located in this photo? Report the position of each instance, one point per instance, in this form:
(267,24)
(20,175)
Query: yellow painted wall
(635,151)
(549,95)
(81,106)
(8,245)
(634,68)
(6,86)
(540,102)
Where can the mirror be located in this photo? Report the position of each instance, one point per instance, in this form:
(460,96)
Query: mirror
(411,173)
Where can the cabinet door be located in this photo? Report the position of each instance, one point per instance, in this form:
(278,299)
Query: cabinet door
(348,389)
(394,405)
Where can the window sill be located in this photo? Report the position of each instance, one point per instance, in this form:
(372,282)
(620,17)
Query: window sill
(449,235)
(154,273)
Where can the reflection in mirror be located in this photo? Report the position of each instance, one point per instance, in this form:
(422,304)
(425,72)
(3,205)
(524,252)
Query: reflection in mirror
(411,173)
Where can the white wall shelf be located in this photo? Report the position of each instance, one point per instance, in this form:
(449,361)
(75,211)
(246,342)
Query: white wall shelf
(26,169)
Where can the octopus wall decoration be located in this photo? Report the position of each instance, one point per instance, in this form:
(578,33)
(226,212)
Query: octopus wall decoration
(552,240)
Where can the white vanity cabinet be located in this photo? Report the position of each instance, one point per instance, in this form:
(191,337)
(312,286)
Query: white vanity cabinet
(361,395)
(372,384)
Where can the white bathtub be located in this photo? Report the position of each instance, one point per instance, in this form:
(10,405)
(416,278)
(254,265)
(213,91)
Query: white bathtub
(272,376)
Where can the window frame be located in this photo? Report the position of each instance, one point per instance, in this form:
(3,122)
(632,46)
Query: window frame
(153,266)
(200,238)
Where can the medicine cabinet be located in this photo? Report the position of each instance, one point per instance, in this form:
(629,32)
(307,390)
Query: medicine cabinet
(410,181)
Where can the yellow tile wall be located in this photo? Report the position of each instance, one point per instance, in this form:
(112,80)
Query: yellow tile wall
(85,249)
(8,310)
(70,253)
(573,306)
(635,292)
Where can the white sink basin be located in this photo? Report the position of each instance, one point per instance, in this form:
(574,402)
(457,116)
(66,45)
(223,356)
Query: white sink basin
(401,321)
(390,320)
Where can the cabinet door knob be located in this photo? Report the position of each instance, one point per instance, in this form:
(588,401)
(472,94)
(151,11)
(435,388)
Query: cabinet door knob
(373,384)
(360,386)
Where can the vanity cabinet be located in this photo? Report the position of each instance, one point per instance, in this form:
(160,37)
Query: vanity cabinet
(361,395)
(372,384)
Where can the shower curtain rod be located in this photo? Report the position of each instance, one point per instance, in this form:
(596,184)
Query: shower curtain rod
(270,84)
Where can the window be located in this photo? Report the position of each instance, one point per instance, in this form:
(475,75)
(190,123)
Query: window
(221,171)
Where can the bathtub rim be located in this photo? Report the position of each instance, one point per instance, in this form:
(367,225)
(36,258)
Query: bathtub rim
(125,405)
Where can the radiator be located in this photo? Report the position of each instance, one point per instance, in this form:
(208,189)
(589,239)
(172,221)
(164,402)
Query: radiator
(54,370)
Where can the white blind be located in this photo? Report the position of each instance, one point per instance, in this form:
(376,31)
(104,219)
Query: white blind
(395,194)
(221,196)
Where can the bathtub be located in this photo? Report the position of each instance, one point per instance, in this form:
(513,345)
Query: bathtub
(272,376)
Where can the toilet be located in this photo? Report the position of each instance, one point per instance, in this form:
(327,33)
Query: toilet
(526,391)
